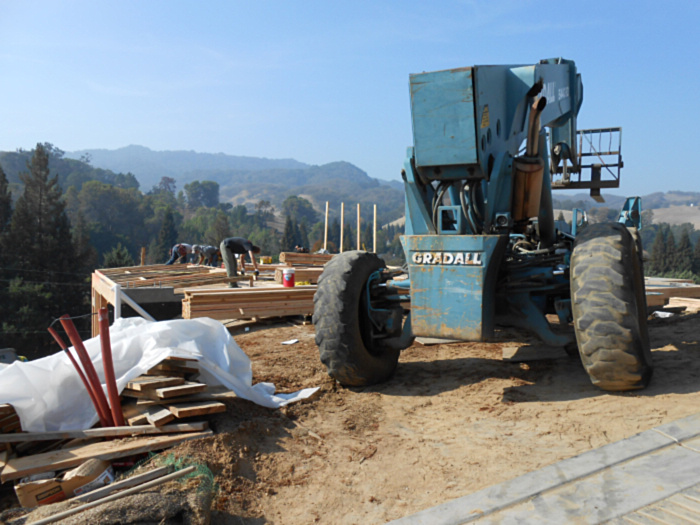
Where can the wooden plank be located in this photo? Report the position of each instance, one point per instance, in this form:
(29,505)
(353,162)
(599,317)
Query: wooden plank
(28,437)
(174,366)
(199,408)
(17,468)
(124,484)
(692,305)
(6,409)
(159,416)
(691,291)
(4,457)
(11,427)
(143,383)
(308,259)
(181,390)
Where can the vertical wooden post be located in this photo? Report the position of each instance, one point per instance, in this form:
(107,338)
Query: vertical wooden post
(359,246)
(374,237)
(143,256)
(342,224)
(325,231)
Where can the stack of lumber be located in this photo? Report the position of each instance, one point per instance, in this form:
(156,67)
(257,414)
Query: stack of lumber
(247,303)
(9,420)
(659,292)
(305,259)
(302,274)
(150,403)
(167,392)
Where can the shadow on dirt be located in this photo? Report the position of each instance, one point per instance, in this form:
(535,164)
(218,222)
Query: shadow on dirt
(676,371)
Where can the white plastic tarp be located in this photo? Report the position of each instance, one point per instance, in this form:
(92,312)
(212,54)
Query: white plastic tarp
(49,396)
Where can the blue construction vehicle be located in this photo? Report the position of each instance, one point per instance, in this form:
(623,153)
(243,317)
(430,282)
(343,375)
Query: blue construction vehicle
(482,246)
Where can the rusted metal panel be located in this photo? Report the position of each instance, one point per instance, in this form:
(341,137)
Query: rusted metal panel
(453,284)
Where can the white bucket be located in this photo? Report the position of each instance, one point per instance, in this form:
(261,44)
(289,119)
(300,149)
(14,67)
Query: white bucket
(288,277)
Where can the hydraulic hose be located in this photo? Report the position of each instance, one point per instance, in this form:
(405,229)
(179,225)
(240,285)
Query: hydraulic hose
(74,337)
(108,364)
(86,384)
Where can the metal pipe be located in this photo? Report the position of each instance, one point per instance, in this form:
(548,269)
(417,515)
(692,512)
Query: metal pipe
(117,301)
(113,497)
(128,300)
(108,365)
(74,337)
(86,384)
(533,130)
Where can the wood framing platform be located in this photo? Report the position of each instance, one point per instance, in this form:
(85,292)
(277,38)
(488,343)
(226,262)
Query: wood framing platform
(203,291)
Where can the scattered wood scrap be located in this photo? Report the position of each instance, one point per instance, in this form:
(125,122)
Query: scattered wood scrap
(16,468)
(249,303)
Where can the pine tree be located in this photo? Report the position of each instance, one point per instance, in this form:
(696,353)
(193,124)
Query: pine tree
(218,231)
(671,254)
(696,259)
(118,257)
(167,236)
(303,235)
(657,260)
(48,279)
(684,254)
(288,240)
(5,202)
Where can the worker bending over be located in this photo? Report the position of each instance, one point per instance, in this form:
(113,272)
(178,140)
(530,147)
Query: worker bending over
(208,255)
(179,253)
(233,246)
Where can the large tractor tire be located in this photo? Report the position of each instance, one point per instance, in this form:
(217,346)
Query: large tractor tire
(343,330)
(609,307)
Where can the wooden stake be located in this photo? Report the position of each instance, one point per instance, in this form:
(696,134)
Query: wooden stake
(374,237)
(342,225)
(359,246)
(143,256)
(325,231)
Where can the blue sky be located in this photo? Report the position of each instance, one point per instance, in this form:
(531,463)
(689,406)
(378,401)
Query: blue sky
(323,81)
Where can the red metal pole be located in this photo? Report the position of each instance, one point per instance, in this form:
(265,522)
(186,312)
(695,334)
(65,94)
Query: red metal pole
(108,364)
(97,406)
(74,337)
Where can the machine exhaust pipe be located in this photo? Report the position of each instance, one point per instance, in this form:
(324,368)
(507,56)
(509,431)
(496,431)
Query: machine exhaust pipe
(528,171)
(532,148)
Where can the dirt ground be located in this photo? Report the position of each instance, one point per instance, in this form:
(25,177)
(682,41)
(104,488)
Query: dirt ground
(454,419)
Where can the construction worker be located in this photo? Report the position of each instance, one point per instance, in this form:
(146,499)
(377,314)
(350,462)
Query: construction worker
(179,253)
(208,255)
(233,246)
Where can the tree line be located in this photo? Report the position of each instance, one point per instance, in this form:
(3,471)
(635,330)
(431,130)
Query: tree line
(55,229)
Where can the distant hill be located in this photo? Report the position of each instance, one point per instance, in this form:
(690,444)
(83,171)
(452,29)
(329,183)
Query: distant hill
(150,166)
(248,180)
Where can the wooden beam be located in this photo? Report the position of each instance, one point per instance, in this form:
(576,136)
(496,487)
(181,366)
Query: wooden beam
(199,408)
(25,437)
(325,230)
(342,225)
(374,237)
(359,246)
(305,259)
(67,458)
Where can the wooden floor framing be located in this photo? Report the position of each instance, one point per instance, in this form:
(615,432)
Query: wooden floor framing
(194,287)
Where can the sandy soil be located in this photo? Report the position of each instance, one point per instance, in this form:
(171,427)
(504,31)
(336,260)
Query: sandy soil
(454,419)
